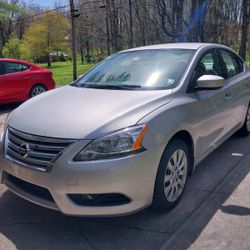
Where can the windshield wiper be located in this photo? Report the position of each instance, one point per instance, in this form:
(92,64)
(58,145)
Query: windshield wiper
(102,86)
(124,86)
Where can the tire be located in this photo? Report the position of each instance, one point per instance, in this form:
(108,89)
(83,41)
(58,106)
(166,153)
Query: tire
(37,90)
(245,130)
(171,176)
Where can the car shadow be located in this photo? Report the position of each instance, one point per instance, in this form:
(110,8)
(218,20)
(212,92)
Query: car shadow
(26,226)
(6,108)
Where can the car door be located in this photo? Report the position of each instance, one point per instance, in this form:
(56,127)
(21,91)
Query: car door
(211,106)
(235,100)
(13,81)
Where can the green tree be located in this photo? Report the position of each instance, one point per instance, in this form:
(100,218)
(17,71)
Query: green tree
(8,12)
(46,36)
(12,48)
(7,9)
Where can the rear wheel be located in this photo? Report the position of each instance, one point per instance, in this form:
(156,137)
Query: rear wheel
(37,90)
(171,176)
(245,130)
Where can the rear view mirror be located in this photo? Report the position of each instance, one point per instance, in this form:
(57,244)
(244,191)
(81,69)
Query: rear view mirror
(207,82)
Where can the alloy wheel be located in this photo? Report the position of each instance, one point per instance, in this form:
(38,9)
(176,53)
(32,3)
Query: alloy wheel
(175,175)
(37,91)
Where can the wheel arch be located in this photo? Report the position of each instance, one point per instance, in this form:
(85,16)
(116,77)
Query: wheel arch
(38,84)
(186,137)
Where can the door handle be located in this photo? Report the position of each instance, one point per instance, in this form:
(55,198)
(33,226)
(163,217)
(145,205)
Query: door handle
(227,96)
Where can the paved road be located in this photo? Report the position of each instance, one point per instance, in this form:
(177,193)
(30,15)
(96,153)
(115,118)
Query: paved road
(214,213)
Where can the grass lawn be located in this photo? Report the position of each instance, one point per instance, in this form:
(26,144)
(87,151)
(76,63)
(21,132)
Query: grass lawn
(63,71)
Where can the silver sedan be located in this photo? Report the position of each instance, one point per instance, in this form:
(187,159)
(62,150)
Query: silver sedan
(128,133)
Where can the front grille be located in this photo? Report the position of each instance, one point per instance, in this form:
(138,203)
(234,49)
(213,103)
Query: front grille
(33,151)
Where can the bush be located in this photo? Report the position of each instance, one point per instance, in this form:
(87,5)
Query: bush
(12,49)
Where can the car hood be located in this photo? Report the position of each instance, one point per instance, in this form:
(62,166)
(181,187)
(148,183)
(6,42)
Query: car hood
(85,113)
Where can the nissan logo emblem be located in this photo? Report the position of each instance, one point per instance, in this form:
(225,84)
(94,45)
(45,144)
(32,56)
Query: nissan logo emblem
(24,150)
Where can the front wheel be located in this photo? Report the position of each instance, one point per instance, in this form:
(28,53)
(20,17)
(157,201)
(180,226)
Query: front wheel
(171,176)
(37,90)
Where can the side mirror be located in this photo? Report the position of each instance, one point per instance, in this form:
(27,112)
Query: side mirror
(207,82)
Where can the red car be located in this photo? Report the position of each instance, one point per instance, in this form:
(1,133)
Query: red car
(20,80)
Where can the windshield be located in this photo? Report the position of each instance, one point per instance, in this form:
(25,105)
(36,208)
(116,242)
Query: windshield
(143,69)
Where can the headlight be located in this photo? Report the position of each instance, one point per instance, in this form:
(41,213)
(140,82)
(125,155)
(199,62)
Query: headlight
(5,127)
(118,144)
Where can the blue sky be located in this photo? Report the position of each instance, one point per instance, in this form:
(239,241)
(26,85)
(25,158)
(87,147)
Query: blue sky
(47,3)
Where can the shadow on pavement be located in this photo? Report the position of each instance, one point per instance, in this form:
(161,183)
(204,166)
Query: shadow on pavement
(27,226)
(235,210)
(6,108)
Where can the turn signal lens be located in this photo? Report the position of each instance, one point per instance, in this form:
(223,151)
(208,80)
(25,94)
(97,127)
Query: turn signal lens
(137,145)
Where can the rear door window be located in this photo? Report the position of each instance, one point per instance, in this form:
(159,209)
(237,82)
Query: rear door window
(15,67)
(231,63)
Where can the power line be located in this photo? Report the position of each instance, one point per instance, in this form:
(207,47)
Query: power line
(41,13)
(42,18)
(59,8)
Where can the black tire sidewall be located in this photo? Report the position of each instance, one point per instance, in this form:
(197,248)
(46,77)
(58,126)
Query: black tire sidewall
(160,201)
(244,131)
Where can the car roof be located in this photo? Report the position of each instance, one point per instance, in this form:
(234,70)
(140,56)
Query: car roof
(13,60)
(193,46)
(32,65)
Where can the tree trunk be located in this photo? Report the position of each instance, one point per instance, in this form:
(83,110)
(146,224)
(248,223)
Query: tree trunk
(179,20)
(82,55)
(107,28)
(244,28)
(87,49)
(193,32)
(131,24)
(197,20)
(48,61)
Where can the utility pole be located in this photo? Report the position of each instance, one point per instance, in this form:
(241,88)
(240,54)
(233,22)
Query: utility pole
(73,35)
(131,23)
(107,27)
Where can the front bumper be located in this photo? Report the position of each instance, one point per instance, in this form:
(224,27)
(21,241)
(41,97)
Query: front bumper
(132,176)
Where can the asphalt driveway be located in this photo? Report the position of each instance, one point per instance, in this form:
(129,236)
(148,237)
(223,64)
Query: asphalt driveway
(214,213)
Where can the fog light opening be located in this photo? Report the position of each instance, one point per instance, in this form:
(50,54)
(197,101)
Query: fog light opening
(99,200)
